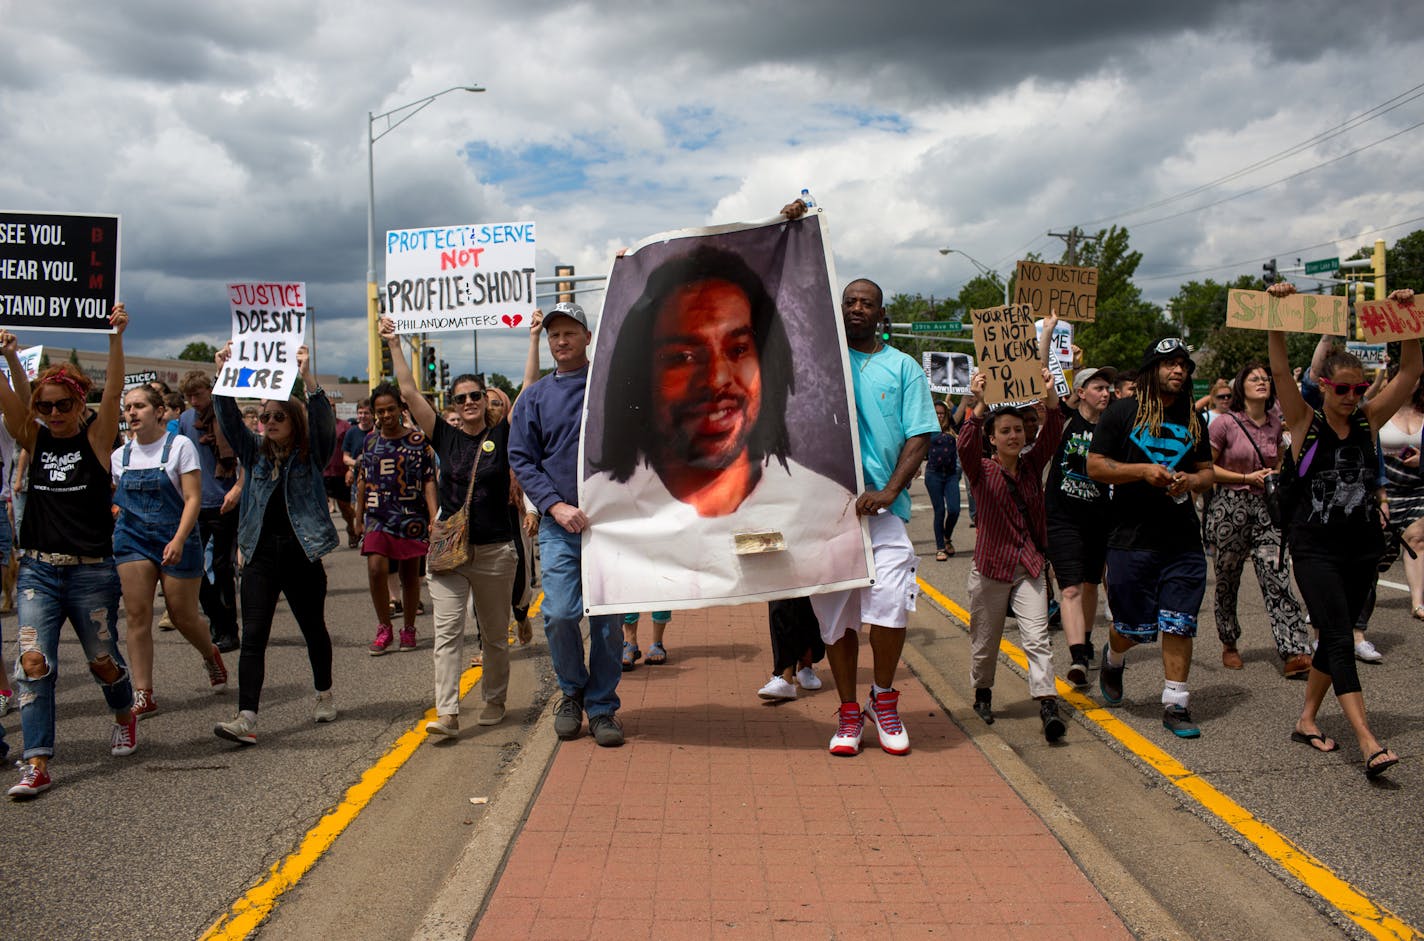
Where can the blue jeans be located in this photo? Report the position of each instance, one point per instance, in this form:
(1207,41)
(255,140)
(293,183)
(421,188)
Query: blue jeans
(944,497)
(561,552)
(47,595)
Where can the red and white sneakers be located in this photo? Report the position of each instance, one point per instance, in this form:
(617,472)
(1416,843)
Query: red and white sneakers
(33,783)
(846,741)
(883,710)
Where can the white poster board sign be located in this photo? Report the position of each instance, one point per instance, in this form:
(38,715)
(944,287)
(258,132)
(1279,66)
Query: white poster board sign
(949,373)
(269,322)
(460,277)
(29,359)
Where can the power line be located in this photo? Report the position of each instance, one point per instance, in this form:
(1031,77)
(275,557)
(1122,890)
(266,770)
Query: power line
(1279,254)
(1349,124)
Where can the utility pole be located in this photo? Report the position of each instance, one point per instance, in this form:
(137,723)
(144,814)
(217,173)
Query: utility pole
(1071,238)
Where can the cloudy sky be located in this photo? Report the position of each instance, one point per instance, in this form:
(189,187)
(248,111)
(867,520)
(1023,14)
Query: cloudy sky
(231,137)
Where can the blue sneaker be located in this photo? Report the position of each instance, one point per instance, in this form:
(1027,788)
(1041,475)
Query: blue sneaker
(1178,721)
(1110,680)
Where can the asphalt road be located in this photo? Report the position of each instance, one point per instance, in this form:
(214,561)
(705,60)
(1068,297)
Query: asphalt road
(161,844)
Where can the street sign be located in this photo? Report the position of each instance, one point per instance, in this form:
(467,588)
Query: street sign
(936,326)
(1323,266)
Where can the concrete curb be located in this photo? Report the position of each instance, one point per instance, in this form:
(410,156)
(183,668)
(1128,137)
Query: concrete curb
(456,909)
(1139,910)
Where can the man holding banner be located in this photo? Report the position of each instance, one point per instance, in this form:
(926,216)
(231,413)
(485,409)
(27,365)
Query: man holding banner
(1153,449)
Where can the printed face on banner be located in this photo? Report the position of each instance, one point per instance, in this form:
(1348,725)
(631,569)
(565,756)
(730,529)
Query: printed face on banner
(462,277)
(1073,292)
(269,323)
(718,415)
(1008,353)
(1294,313)
(949,373)
(58,271)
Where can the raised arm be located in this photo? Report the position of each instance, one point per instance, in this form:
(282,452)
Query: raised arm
(1398,390)
(531,360)
(420,410)
(13,403)
(106,427)
(229,419)
(321,417)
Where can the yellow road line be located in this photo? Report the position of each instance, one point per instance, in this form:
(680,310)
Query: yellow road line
(1377,921)
(248,912)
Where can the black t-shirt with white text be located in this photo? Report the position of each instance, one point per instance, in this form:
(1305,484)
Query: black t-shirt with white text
(1143,516)
(1071,493)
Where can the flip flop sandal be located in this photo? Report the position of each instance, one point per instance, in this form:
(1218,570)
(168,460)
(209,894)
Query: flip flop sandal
(631,655)
(478,660)
(657,654)
(1373,770)
(1418,612)
(941,556)
(526,632)
(1312,739)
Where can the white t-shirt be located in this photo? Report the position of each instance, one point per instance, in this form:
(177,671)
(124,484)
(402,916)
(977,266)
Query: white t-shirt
(181,459)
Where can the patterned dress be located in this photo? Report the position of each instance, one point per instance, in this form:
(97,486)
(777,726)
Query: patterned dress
(395,472)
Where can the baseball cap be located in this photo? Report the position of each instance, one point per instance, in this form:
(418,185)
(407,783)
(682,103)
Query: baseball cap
(1105,373)
(567,309)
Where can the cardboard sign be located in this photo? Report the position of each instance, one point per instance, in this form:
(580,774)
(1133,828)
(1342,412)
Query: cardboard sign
(1371,355)
(269,322)
(1073,292)
(463,277)
(1382,321)
(29,361)
(949,373)
(1007,348)
(58,271)
(1295,313)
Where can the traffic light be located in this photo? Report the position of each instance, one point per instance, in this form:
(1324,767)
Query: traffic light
(444,374)
(885,331)
(386,368)
(427,362)
(1271,275)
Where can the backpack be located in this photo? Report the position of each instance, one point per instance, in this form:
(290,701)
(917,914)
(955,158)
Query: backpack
(1291,487)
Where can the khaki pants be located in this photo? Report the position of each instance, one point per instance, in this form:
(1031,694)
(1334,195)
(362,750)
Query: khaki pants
(988,607)
(489,573)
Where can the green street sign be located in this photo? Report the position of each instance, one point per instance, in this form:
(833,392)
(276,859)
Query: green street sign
(936,326)
(1323,266)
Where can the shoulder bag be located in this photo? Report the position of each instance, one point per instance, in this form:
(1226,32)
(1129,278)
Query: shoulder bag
(1272,482)
(450,538)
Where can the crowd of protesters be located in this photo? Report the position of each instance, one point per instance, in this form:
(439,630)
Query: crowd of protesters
(1101,488)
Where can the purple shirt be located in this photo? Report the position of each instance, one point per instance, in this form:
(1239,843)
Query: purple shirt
(395,471)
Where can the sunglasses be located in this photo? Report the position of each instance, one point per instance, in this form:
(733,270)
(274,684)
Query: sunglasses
(1344,388)
(464,397)
(63,406)
(1224,397)
(271,418)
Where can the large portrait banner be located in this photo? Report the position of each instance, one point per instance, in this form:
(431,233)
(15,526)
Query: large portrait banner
(720,462)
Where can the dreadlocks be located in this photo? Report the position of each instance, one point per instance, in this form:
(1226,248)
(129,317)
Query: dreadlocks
(1150,410)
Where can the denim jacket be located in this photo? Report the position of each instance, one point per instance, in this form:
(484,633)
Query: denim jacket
(305,490)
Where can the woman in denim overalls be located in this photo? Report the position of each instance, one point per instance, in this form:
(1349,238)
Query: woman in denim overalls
(155,535)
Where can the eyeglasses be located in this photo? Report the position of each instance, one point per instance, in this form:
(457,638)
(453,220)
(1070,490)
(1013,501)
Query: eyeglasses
(464,397)
(63,406)
(272,418)
(1343,388)
(1224,397)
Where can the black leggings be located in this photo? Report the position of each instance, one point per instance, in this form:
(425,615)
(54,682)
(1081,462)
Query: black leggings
(281,567)
(794,630)
(1335,587)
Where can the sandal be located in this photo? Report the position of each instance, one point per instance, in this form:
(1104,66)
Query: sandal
(1315,740)
(631,655)
(1418,612)
(941,556)
(1373,770)
(478,660)
(526,632)
(657,654)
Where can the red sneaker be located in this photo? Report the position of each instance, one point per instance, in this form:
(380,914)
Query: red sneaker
(144,704)
(407,638)
(217,672)
(884,711)
(846,741)
(33,783)
(124,739)
(384,637)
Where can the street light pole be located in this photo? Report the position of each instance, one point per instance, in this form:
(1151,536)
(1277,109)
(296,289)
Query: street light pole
(410,109)
(983,269)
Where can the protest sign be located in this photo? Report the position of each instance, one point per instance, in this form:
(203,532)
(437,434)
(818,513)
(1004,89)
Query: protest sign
(1062,342)
(269,322)
(58,271)
(949,373)
(1371,355)
(133,379)
(719,460)
(1294,313)
(1073,292)
(461,277)
(1382,321)
(1007,348)
(29,361)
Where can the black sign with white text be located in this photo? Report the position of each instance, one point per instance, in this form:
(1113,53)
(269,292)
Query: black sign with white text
(58,271)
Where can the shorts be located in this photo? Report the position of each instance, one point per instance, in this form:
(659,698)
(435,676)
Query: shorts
(886,603)
(141,544)
(1151,592)
(1077,549)
(337,489)
(393,547)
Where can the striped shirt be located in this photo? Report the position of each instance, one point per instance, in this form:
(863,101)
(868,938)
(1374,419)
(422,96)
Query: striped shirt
(1002,542)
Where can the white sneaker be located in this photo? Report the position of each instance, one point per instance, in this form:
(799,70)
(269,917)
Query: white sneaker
(1366,652)
(777,689)
(807,678)
(448,726)
(242,730)
(325,710)
(883,710)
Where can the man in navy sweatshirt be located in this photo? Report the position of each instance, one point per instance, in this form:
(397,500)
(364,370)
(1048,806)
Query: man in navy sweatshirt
(543,453)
